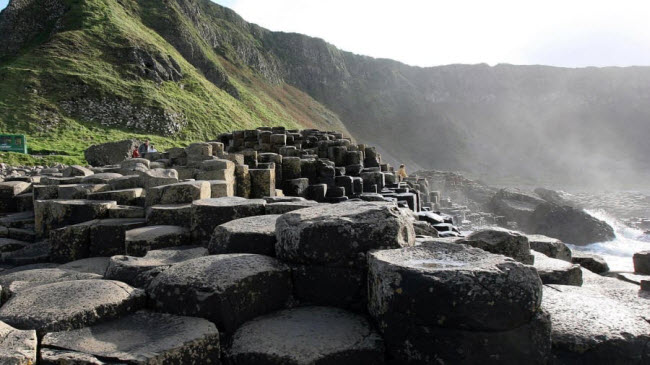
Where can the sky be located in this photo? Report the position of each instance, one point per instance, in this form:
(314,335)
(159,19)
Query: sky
(569,33)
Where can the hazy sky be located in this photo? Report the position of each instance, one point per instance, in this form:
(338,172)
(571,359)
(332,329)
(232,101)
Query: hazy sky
(430,32)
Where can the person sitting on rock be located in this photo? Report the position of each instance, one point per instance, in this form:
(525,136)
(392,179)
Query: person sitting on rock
(135,153)
(144,148)
(401,173)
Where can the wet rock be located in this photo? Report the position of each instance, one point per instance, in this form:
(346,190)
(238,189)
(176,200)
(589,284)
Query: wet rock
(554,271)
(307,335)
(110,153)
(225,289)
(569,224)
(501,241)
(207,214)
(17,347)
(453,286)
(590,262)
(642,262)
(25,279)
(245,235)
(550,247)
(179,193)
(139,271)
(153,338)
(69,305)
(590,328)
(331,234)
(140,240)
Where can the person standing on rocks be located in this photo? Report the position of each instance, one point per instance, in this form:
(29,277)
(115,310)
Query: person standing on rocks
(401,173)
(144,148)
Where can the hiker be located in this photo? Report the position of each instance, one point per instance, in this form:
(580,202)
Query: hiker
(401,174)
(135,153)
(144,148)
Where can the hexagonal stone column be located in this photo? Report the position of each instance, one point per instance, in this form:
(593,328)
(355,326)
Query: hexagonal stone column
(207,214)
(245,235)
(140,240)
(153,338)
(225,289)
(307,335)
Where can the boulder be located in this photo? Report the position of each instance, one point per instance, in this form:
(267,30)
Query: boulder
(139,271)
(590,262)
(571,225)
(68,305)
(225,289)
(307,335)
(501,241)
(110,153)
(245,235)
(25,279)
(550,247)
(17,347)
(554,271)
(53,214)
(76,170)
(515,205)
(179,193)
(466,288)
(591,328)
(642,262)
(332,234)
(207,214)
(140,240)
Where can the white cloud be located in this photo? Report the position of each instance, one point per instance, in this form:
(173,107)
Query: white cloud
(426,33)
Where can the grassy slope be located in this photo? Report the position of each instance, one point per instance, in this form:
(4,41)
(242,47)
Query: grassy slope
(82,60)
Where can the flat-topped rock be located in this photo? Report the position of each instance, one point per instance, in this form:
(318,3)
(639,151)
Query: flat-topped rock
(93,265)
(35,253)
(140,240)
(591,328)
(70,305)
(245,235)
(122,197)
(642,262)
(285,207)
(125,211)
(8,191)
(157,177)
(9,244)
(554,271)
(207,214)
(225,289)
(78,191)
(170,214)
(52,214)
(550,247)
(501,241)
(307,335)
(179,193)
(100,178)
(139,271)
(17,347)
(333,233)
(467,288)
(153,338)
(590,262)
(25,279)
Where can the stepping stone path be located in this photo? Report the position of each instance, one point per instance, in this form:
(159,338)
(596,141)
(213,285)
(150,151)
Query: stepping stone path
(225,289)
(153,338)
(307,335)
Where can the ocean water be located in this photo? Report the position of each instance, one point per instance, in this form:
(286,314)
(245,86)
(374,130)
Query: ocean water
(618,253)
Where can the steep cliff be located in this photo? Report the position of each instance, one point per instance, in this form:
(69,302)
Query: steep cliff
(191,68)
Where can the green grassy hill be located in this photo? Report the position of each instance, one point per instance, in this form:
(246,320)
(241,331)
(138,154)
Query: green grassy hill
(79,72)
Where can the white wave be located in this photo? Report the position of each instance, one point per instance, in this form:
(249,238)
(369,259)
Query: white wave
(618,252)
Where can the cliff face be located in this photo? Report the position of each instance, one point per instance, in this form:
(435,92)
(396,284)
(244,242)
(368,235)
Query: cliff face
(204,69)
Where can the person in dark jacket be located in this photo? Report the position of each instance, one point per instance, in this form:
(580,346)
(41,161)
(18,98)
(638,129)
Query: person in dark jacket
(144,148)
